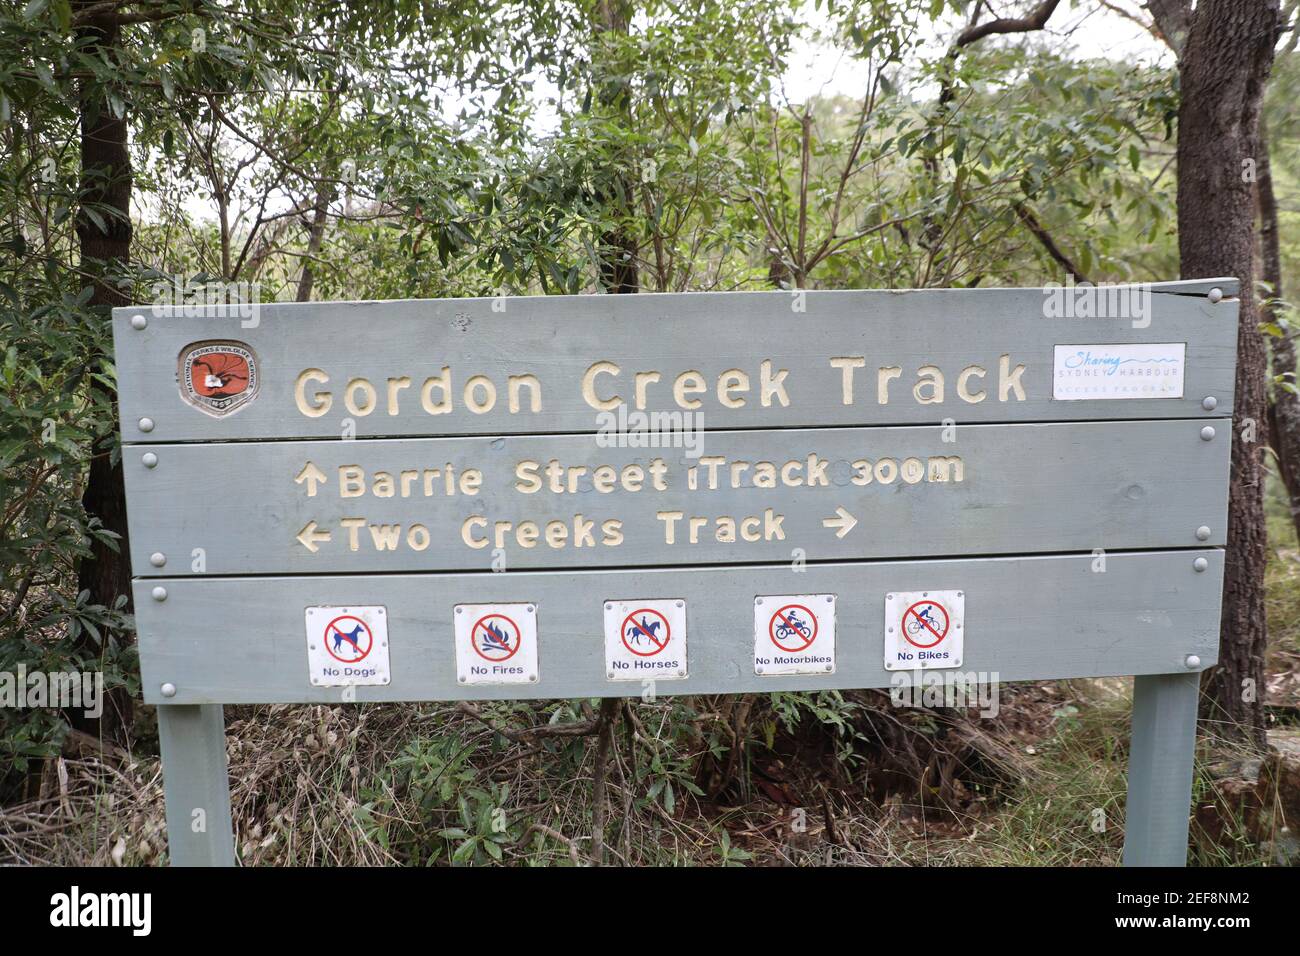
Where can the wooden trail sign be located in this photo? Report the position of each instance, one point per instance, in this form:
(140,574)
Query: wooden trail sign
(707,493)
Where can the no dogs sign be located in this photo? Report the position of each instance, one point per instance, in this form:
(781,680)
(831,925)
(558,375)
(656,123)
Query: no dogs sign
(924,629)
(347,645)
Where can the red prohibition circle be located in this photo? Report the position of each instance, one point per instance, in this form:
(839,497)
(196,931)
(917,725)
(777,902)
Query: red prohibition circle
(348,617)
(519,638)
(622,632)
(938,637)
(780,616)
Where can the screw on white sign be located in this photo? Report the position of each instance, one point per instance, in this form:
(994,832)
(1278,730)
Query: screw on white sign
(924,629)
(347,645)
(496,643)
(794,634)
(645,638)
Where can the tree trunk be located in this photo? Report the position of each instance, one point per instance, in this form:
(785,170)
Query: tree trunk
(1284,412)
(618,246)
(315,238)
(1223,70)
(106,185)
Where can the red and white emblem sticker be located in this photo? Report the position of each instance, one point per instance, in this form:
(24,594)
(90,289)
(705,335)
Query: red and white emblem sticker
(218,377)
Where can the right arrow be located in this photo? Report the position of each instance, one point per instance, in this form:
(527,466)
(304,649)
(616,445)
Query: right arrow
(842,520)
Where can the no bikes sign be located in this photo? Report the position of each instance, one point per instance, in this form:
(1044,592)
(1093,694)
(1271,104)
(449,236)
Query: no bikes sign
(924,629)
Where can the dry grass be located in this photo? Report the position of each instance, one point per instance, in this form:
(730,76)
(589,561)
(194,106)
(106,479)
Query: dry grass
(390,784)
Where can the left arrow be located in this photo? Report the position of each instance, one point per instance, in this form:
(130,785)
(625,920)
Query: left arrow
(308,537)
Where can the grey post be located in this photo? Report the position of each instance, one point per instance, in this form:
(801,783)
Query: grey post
(193,739)
(1160,769)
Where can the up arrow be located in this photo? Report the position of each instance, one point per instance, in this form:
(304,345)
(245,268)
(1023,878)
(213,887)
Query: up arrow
(313,476)
(309,536)
(842,520)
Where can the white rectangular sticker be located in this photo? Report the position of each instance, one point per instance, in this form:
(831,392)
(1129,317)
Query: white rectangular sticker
(645,638)
(794,634)
(496,643)
(924,629)
(347,646)
(1145,370)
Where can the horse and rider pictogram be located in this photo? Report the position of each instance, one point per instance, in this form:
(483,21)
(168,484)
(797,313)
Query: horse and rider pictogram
(645,639)
(642,632)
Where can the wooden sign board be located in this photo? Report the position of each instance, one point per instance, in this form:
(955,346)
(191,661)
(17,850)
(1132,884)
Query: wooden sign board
(573,496)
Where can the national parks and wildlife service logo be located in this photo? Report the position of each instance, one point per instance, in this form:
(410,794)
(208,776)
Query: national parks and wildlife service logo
(218,377)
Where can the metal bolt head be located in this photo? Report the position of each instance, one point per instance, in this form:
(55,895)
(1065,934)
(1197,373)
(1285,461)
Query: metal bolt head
(149,459)
(1209,403)
(1200,564)
(145,424)
(159,593)
(139,323)
(1207,433)
(1203,533)
(1216,295)
(1192,662)
(168,689)
(157,559)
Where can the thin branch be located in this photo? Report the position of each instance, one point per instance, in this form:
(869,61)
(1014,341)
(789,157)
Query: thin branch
(581,728)
(1035,20)
(1035,227)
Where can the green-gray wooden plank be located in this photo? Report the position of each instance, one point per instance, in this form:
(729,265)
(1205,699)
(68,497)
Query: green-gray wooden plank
(237,640)
(558,338)
(1025,488)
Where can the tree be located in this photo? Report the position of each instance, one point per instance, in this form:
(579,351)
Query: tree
(1284,408)
(1223,67)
